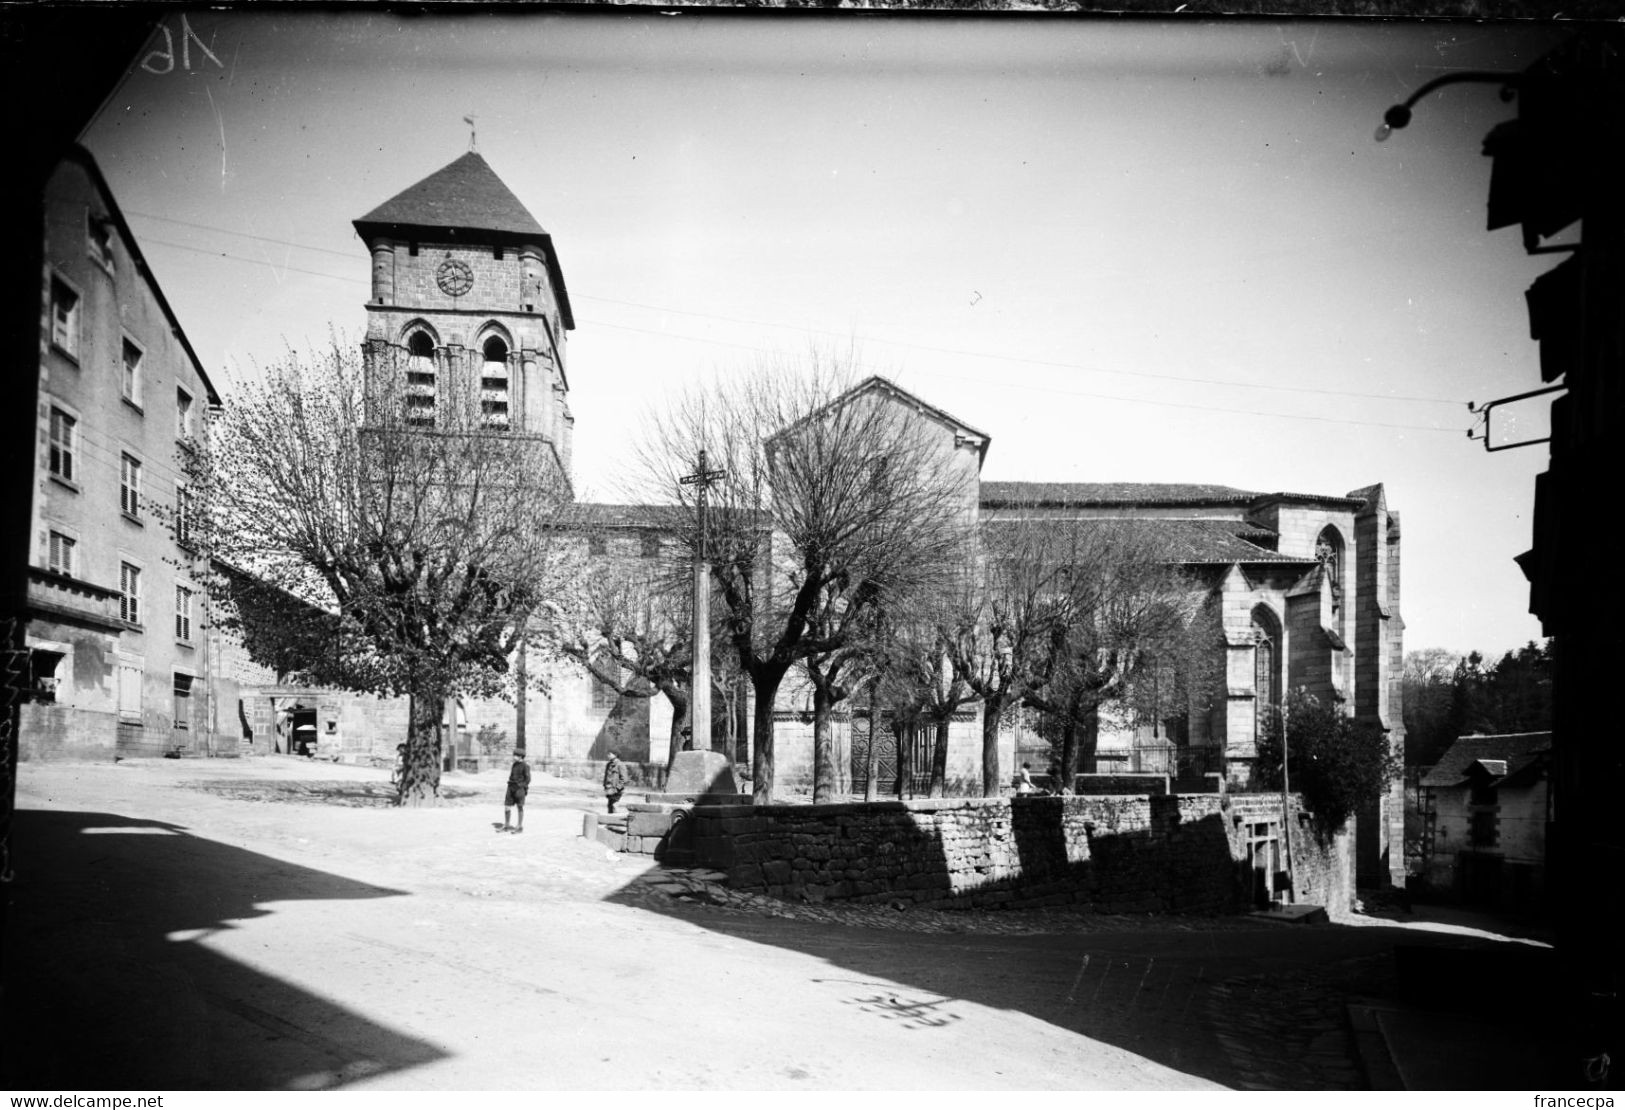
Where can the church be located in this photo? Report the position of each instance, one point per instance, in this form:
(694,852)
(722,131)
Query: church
(466,282)
(468,300)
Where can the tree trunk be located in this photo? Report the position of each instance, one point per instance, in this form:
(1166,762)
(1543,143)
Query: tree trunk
(420,770)
(904,733)
(741,711)
(939,759)
(448,747)
(871,788)
(1067,774)
(824,784)
(1089,737)
(519,677)
(761,768)
(992,780)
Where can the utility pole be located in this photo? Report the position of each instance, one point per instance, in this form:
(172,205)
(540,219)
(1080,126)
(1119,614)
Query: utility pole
(699,713)
(1286,807)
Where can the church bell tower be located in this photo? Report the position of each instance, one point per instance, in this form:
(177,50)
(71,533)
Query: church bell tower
(468,301)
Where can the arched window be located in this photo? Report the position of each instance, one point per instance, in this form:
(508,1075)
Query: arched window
(1329,550)
(494,384)
(420,380)
(1266,666)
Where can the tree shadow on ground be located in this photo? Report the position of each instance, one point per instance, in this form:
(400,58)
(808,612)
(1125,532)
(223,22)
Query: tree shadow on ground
(108,983)
(1236,1002)
(351,793)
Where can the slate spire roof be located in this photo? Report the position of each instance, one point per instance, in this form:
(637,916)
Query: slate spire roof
(467,194)
(467,202)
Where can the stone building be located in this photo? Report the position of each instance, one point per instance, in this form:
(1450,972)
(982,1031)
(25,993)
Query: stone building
(1485,810)
(1303,589)
(116,611)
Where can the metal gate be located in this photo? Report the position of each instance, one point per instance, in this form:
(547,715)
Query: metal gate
(919,779)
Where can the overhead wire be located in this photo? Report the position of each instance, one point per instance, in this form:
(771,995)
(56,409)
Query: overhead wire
(665,334)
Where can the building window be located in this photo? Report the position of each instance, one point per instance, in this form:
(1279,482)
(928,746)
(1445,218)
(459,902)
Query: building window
(650,548)
(183,700)
(1483,828)
(183,414)
(129,592)
(1329,550)
(185,513)
(132,373)
(61,554)
(99,237)
(494,384)
(420,380)
(129,487)
(64,441)
(1266,668)
(1264,676)
(183,613)
(43,665)
(64,318)
(129,692)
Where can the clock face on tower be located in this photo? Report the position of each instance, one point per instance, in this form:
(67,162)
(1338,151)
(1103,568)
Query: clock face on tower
(454,277)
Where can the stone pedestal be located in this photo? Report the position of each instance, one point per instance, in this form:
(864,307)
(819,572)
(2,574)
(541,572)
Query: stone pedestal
(700,772)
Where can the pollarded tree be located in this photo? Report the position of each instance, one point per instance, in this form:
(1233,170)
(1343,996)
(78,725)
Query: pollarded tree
(627,624)
(836,501)
(432,534)
(1131,636)
(1006,639)
(913,670)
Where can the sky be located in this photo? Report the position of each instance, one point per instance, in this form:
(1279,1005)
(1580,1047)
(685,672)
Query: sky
(1127,250)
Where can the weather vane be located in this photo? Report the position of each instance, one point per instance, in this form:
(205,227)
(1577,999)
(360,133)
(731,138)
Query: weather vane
(473,145)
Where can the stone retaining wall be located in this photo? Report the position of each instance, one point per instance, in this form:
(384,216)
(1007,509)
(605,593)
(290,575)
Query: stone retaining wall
(1124,854)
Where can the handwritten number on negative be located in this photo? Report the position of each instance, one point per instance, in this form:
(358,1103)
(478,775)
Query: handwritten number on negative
(167,54)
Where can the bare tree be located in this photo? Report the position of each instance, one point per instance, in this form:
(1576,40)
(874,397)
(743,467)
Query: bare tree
(1006,637)
(1131,635)
(837,501)
(429,532)
(915,671)
(628,625)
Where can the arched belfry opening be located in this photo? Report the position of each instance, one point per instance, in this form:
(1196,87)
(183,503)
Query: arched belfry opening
(494,391)
(420,380)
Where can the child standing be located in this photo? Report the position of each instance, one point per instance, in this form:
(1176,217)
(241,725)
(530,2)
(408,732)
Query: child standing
(518,787)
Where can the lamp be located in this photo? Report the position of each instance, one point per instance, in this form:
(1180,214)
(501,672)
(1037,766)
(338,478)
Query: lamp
(1400,114)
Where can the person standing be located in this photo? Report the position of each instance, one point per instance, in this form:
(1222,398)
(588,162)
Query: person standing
(518,787)
(615,780)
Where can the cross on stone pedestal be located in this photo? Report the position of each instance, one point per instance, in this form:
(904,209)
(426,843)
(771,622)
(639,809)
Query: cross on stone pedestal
(700,695)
